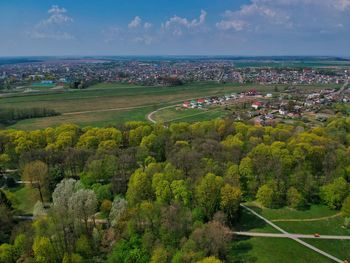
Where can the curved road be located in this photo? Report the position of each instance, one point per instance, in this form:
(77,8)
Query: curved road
(291,236)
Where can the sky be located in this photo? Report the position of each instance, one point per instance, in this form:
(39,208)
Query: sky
(174,27)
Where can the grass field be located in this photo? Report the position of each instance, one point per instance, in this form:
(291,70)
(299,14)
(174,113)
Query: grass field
(23,199)
(109,104)
(268,250)
(178,114)
(326,222)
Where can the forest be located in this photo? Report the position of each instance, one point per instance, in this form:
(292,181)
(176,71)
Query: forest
(138,193)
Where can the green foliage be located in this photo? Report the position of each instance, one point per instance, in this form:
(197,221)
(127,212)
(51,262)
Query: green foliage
(208,193)
(334,193)
(230,201)
(346,207)
(43,250)
(294,198)
(266,196)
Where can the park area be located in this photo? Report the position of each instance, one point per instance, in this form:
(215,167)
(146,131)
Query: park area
(316,219)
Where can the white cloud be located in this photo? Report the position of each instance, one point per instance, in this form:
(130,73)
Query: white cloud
(268,15)
(136,22)
(180,21)
(147,25)
(54,26)
(237,25)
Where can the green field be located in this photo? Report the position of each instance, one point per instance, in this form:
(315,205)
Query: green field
(268,250)
(317,219)
(23,199)
(110,104)
(179,114)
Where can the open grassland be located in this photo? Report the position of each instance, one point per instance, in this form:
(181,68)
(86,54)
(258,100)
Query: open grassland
(107,104)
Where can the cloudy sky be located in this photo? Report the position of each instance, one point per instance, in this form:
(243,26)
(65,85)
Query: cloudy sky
(174,27)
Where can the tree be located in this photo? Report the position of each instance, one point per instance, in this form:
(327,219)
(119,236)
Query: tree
(118,207)
(294,198)
(7,253)
(37,174)
(210,260)
(346,207)
(208,193)
(230,200)
(43,250)
(139,188)
(265,196)
(82,205)
(159,255)
(333,194)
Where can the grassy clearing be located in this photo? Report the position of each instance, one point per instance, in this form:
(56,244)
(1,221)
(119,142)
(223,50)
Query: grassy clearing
(267,250)
(314,211)
(326,226)
(23,199)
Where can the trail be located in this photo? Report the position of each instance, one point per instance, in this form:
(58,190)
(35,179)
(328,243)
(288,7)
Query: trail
(307,219)
(257,234)
(150,115)
(292,236)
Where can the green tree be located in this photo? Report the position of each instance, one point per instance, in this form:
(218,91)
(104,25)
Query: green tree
(139,188)
(210,260)
(334,193)
(230,200)
(266,196)
(208,193)
(294,198)
(37,174)
(43,250)
(346,207)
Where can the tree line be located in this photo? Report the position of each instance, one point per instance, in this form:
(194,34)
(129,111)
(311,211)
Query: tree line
(11,115)
(146,193)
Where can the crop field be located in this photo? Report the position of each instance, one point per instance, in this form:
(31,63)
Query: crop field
(108,104)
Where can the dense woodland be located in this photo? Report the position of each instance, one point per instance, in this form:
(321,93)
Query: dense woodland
(148,193)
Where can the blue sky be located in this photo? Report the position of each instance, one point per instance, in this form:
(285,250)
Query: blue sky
(174,27)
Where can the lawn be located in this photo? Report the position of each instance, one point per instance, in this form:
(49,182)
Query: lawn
(268,250)
(326,222)
(23,199)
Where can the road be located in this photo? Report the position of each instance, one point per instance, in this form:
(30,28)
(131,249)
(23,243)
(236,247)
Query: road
(292,236)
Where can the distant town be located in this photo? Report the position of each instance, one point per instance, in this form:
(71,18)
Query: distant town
(81,73)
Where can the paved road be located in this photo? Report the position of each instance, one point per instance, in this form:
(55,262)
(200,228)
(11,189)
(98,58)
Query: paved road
(258,234)
(291,236)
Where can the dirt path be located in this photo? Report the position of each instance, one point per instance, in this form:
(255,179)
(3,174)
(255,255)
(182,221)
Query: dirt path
(258,234)
(150,115)
(307,219)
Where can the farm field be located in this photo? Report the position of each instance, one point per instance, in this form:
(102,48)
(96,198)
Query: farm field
(108,104)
